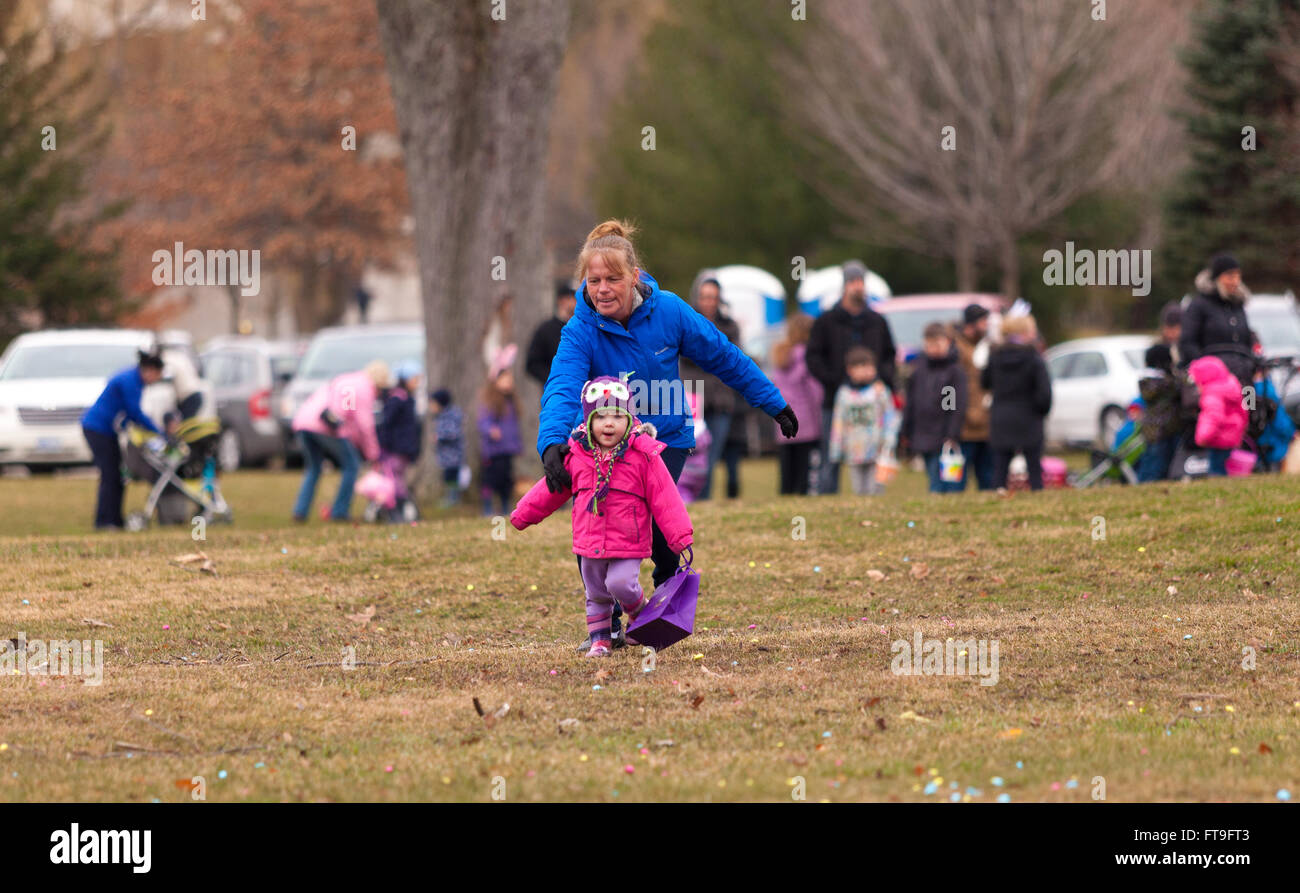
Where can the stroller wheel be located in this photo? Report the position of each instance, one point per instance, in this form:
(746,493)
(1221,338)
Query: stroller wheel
(137,521)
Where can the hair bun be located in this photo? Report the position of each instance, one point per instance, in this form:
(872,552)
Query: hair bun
(620,228)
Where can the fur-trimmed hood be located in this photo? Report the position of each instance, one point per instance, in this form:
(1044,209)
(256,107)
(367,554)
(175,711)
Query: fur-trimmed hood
(1208,287)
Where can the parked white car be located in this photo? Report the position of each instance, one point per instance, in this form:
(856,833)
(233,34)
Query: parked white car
(1093,382)
(48,379)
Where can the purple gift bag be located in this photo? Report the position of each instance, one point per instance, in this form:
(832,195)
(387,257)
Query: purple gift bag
(669,616)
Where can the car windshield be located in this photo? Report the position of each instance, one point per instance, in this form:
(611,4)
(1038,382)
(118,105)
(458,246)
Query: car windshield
(1137,357)
(907,325)
(1278,329)
(68,361)
(336,354)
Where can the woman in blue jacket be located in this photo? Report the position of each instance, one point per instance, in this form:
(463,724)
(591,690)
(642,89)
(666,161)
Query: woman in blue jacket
(120,397)
(625,325)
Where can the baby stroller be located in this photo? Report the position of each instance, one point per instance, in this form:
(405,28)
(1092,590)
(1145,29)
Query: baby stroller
(190,455)
(1116,464)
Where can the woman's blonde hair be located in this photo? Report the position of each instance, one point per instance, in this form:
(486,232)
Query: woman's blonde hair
(612,240)
(377,371)
(797,330)
(1021,326)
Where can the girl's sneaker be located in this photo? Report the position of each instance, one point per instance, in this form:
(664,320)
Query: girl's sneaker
(599,648)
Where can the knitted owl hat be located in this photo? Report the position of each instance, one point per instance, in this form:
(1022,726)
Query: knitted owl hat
(604,392)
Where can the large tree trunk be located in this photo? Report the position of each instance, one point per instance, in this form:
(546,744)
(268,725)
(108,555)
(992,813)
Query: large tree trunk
(473,98)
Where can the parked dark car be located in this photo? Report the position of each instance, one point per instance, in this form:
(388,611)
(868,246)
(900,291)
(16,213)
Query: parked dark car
(248,375)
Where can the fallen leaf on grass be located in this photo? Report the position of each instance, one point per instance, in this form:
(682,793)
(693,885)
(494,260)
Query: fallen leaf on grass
(1264,748)
(93,622)
(697,701)
(569,725)
(364,617)
(920,571)
(876,575)
(880,723)
(913,716)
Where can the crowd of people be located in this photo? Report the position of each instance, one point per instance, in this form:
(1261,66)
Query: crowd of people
(965,407)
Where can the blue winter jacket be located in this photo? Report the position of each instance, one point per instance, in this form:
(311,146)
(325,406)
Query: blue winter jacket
(1277,437)
(120,396)
(660,330)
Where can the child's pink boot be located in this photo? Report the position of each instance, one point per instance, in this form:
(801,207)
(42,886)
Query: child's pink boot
(600,648)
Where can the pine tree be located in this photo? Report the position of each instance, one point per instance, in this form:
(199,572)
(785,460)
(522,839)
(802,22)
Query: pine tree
(1230,197)
(51,273)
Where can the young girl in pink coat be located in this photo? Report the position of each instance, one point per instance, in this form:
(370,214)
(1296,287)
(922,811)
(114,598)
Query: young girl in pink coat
(619,484)
(1222,421)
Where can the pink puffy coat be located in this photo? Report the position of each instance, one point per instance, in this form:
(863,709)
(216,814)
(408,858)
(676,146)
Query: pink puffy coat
(352,398)
(640,489)
(1222,422)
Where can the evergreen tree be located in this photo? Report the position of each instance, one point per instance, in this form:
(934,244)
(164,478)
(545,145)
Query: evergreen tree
(50,274)
(1230,197)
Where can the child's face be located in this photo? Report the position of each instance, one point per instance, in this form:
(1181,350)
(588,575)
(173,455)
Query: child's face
(862,373)
(608,428)
(506,382)
(937,348)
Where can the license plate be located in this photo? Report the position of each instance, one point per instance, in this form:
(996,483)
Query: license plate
(49,444)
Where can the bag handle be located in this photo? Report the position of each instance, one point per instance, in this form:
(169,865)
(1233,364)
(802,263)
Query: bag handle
(689,554)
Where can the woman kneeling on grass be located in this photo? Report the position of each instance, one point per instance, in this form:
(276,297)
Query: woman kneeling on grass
(619,482)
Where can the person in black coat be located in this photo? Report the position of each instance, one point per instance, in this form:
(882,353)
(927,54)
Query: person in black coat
(546,338)
(1214,322)
(851,322)
(1017,379)
(936,404)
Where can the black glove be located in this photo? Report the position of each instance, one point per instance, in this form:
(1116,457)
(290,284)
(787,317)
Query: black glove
(557,476)
(789,424)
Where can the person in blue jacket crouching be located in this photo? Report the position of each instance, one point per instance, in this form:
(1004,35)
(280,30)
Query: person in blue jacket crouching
(119,399)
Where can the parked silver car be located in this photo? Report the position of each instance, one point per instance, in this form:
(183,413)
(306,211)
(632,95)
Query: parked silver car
(248,375)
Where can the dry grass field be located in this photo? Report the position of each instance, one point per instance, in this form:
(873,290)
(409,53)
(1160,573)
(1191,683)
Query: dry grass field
(1120,658)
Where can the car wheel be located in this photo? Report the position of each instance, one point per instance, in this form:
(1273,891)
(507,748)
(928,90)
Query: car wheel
(1112,419)
(229,451)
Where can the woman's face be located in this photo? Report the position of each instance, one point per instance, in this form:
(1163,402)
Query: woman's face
(1230,281)
(610,290)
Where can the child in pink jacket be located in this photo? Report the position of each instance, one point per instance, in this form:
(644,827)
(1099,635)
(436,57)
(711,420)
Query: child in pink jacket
(1222,420)
(619,484)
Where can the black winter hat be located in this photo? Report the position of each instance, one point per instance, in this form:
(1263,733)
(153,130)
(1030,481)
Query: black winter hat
(1171,314)
(1222,263)
(442,397)
(974,313)
(1159,356)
